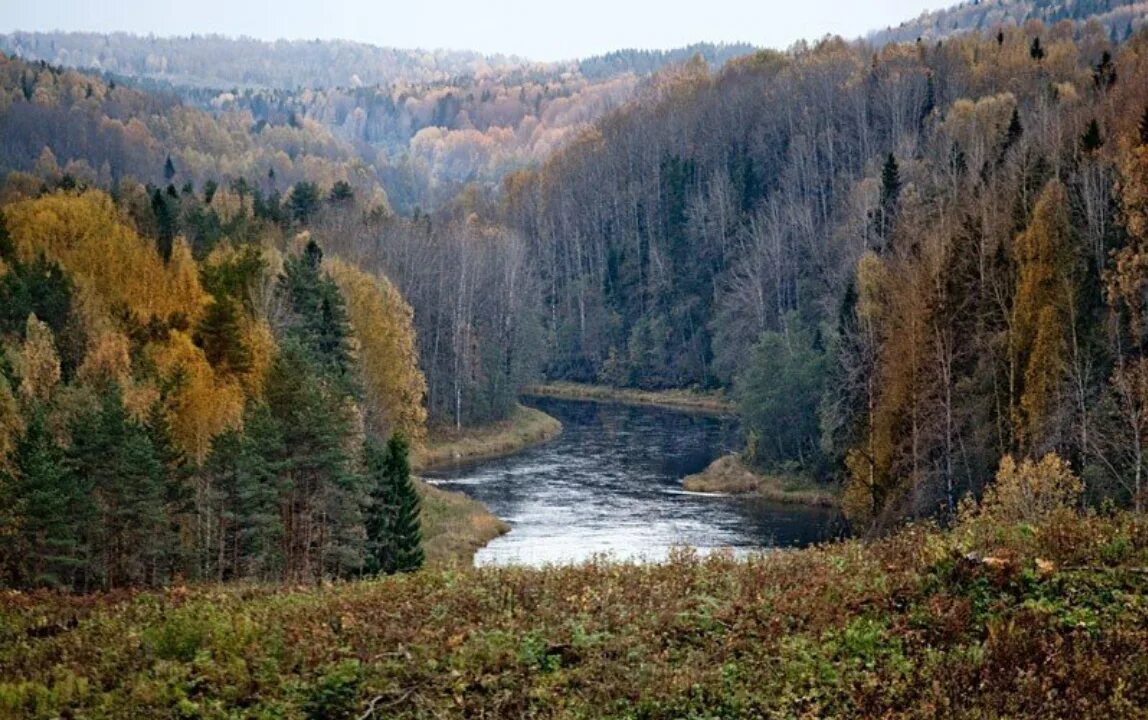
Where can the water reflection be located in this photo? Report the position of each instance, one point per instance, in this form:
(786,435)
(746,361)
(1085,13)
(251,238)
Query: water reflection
(611,484)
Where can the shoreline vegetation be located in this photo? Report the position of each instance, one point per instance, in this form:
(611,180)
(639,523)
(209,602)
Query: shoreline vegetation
(684,400)
(447,447)
(730,475)
(456,526)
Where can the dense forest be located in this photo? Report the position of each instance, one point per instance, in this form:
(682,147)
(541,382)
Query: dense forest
(903,261)
(431,124)
(1121,18)
(932,245)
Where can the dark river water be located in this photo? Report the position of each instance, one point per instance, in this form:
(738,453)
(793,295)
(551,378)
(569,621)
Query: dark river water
(611,484)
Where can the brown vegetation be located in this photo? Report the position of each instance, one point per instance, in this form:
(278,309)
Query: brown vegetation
(729,474)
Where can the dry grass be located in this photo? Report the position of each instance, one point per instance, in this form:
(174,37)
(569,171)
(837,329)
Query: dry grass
(447,446)
(455,526)
(707,402)
(730,475)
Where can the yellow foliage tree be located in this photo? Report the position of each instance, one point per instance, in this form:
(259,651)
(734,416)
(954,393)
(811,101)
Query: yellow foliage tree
(39,363)
(87,236)
(202,404)
(383,324)
(1041,312)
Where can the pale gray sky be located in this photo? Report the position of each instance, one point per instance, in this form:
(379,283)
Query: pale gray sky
(531,28)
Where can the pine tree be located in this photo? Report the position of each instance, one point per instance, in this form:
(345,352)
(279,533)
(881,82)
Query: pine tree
(321,497)
(303,201)
(1144,127)
(168,169)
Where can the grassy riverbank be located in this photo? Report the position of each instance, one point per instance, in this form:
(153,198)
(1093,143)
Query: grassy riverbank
(921,624)
(708,402)
(448,446)
(729,474)
(455,526)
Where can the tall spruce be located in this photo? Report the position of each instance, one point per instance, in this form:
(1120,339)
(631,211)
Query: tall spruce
(47,546)
(394,534)
(114,453)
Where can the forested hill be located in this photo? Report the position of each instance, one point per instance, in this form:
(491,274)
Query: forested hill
(223,63)
(907,261)
(1120,18)
(430,122)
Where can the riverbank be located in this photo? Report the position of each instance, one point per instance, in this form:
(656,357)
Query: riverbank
(447,446)
(455,526)
(689,400)
(730,475)
(916,625)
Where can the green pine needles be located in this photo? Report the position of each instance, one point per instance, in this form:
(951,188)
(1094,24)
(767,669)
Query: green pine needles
(394,536)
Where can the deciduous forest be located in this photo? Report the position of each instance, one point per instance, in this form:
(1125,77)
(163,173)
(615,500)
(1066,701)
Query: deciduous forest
(245,285)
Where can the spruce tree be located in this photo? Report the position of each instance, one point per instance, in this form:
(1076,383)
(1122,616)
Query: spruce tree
(406,532)
(165,209)
(1092,140)
(320,323)
(114,453)
(1015,130)
(168,169)
(220,334)
(51,510)
(890,194)
(1036,50)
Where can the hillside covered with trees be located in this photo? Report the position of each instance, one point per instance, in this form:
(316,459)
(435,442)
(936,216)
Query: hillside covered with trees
(906,262)
(432,123)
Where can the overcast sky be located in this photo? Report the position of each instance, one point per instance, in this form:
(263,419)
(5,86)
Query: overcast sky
(534,29)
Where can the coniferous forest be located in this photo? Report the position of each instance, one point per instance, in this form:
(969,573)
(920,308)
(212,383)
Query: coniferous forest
(250,291)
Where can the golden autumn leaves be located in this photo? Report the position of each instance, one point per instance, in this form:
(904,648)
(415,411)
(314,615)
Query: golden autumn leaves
(123,285)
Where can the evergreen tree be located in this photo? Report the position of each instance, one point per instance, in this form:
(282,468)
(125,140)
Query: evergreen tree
(890,194)
(321,496)
(50,508)
(303,202)
(320,321)
(1036,50)
(220,334)
(165,207)
(341,192)
(1015,130)
(114,453)
(394,536)
(1104,74)
(1092,140)
(1144,127)
(168,169)
(242,471)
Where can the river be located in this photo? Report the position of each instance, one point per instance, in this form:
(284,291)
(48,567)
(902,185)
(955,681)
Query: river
(611,485)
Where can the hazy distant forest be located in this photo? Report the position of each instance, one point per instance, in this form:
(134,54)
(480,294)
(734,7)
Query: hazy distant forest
(903,261)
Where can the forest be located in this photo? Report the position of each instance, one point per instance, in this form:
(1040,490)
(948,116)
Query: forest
(934,244)
(238,297)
